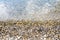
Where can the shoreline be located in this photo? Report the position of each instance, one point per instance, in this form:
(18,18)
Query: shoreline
(29,22)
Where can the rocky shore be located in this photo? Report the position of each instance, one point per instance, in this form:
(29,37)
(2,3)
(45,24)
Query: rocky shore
(30,30)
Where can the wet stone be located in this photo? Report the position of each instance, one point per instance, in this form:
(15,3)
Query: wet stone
(41,29)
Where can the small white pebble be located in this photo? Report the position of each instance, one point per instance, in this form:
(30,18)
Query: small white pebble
(44,38)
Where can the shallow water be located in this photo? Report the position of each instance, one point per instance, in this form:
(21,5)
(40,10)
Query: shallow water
(28,9)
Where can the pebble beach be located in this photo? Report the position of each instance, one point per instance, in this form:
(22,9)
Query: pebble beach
(29,30)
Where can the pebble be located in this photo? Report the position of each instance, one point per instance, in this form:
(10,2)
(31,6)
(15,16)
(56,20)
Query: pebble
(29,32)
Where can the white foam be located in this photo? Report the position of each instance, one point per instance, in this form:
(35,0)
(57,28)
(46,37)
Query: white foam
(32,11)
(3,12)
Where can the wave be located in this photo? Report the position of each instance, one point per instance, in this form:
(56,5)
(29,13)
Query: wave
(32,11)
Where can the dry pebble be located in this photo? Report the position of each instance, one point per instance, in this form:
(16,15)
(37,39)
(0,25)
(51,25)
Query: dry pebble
(29,32)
